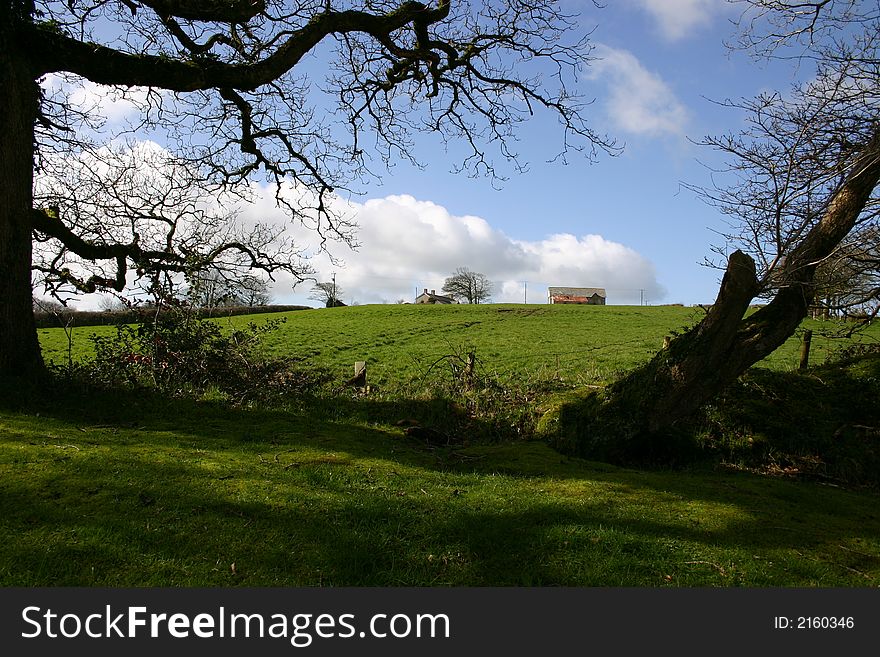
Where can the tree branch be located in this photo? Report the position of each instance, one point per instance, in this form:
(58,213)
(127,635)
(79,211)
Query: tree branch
(224,11)
(52,51)
(49,223)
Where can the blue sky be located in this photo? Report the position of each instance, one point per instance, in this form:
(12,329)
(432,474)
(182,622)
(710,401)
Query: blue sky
(662,64)
(624,223)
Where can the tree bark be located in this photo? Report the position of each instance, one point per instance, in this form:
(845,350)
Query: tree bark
(19,101)
(634,419)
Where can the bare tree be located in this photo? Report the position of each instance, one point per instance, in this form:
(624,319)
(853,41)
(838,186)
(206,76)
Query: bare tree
(219,83)
(801,182)
(328,293)
(150,214)
(110,303)
(467,285)
(252,291)
(848,282)
(213,289)
(49,306)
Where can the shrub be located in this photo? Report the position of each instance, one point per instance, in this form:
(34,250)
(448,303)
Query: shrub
(78,318)
(177,353)
(478,404)
(819,424)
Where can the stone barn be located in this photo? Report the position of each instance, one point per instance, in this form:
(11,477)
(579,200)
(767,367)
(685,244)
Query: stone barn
(589,296)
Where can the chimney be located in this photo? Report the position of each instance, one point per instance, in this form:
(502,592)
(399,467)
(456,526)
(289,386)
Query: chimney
(426,290)
(433,292)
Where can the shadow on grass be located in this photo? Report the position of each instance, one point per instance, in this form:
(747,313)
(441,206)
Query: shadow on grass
(169,524)
(204,494)
(357,426)
(823,423)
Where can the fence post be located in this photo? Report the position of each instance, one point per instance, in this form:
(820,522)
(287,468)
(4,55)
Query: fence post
(805,350)
(360,375)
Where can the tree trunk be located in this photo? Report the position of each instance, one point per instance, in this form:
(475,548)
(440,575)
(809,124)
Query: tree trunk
(19,101)
(633,420)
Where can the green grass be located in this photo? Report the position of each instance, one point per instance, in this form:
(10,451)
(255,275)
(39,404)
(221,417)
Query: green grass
(581,344)
(129,489)
(137,491)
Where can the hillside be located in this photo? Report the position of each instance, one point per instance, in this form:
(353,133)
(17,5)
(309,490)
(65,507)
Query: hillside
(586,344)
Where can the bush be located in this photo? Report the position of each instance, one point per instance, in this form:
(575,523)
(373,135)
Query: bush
(64,317)
(822,424)
(478,405)
(177,353)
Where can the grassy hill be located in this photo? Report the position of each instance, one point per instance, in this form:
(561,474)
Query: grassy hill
(588,344)
(132,488)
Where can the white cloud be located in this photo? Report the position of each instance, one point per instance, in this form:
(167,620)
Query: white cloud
(593,261)
(639,101)
(677,19)
(408,245)
(109,104)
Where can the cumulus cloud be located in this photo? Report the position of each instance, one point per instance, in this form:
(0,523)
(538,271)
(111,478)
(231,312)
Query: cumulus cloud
(407,245)
(639,101)
(109,104)
(677,19)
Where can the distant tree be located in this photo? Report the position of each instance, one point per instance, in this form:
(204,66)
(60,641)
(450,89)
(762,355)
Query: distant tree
(110,303)
(469,286)
(848,281)
(328,293)
(43,305)
(216,289)
(253,291)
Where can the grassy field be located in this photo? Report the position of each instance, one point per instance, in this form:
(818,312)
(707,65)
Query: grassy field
(131,489)
(136,491)
(400,343)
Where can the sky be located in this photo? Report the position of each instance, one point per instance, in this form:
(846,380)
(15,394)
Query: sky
(624,223)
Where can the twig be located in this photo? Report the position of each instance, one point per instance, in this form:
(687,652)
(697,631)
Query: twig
(720,569)
(861,554)
(286,451)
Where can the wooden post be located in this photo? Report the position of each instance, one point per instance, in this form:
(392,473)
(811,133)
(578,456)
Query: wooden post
(359,379)
(805,350)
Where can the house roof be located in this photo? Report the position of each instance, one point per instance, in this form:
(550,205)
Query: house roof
(436,297)
(577,291)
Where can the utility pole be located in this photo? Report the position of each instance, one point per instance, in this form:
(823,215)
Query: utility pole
(333,301)
(525,292)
